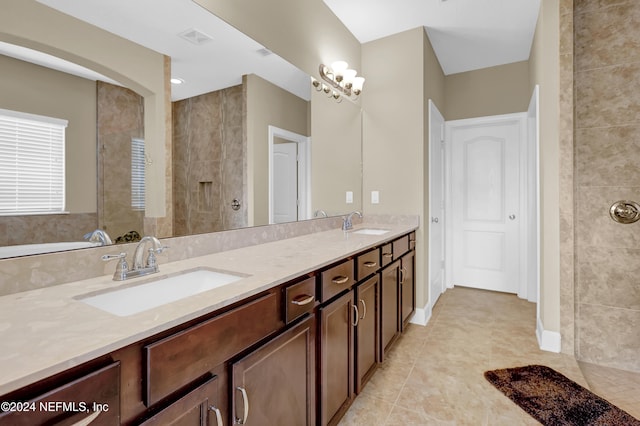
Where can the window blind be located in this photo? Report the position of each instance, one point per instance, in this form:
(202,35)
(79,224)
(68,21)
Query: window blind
(137,174)
(32,163)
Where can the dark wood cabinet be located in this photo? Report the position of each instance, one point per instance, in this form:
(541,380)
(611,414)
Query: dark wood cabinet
(200,407)
(407,288)
(275,384)
(389,311)
(93,398)
(367,296)
(181,358)
(295,354)
(336,358)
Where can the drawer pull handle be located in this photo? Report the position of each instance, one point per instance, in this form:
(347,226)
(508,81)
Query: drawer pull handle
(87,420)
(218,415)
(245,403)
(370,264)
(303,299)
(340,279)
(356,316)
(387,255)
(364,309)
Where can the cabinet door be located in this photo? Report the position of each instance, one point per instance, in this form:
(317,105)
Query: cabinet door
(407,287)
(390,317)
(336,354)
(199,407)
(275,384)
(367,330)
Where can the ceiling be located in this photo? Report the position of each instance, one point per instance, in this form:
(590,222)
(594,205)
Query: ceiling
(465,34)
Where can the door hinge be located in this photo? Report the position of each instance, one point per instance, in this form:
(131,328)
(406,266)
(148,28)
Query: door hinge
(442,133)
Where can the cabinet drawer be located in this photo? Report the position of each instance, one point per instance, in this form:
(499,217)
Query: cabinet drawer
(177,360)
(299,299)
(412,241)
(400,247)
(337,279)
(368,263)
(386,256)
(95,396)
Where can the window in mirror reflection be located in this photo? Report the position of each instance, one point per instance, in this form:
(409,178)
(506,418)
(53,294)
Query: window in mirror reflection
(137,174)
(32,162)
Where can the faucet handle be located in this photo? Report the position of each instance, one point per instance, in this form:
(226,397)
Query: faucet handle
(122,267)
(152,262)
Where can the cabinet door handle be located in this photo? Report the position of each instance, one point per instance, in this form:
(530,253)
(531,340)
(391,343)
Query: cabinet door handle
(370,264)
(303,299)
(364,309)
(245,403)
(387,255)
(403,271)
(218,415)
(341,279)
(356,317)
(87,420)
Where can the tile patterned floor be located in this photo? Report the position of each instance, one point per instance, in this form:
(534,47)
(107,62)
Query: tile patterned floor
(434,374)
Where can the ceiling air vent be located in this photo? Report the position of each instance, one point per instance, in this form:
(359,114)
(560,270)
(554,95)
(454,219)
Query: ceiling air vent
(264,52)
(194,36)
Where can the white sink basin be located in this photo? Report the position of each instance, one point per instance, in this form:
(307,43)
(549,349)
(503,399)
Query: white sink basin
(371,231)
(160,291)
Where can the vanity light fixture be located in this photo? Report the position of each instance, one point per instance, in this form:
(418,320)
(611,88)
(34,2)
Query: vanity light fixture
(341,81)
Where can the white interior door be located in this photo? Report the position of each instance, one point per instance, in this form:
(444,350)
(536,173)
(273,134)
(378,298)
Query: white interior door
(485,202)
(285,182)
(283,163)
(436,204)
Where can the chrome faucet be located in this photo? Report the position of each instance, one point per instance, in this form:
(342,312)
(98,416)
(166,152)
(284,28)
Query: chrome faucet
(346,220)
(139,269)
(320,213)
(98,236)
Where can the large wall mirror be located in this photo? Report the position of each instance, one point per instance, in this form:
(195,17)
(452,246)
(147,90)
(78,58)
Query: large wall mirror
(220,152)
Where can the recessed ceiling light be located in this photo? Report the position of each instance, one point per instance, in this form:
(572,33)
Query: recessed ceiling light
(175,80)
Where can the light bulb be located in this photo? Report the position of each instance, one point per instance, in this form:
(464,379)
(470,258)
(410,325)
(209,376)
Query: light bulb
(338,67)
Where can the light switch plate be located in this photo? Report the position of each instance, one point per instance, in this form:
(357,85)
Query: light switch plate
(375,197)
(349,197)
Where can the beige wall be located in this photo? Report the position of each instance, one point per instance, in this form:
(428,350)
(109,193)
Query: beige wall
(30,24)
(497,90)
(267,105)
(544,71)
(336,155)
(395,156)
(34,89)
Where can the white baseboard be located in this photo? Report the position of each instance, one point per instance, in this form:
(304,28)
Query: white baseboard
(549,341)
(421,315)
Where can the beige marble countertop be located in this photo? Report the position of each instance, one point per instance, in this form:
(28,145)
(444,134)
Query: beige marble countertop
(46,331)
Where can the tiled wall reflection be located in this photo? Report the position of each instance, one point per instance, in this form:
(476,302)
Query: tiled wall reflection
(120,119)
(208,162)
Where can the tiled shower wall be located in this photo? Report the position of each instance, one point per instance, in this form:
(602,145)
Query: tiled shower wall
(209,162)
(120,118)
(49,228)
(607,159)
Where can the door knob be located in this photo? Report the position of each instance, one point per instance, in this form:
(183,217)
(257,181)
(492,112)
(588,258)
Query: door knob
(512,216)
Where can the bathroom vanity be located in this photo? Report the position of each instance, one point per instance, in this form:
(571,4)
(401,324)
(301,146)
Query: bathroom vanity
(291,343)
